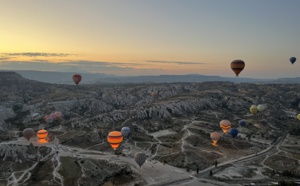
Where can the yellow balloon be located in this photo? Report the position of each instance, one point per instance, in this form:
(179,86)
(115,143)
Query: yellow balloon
(298,116)
(253,109)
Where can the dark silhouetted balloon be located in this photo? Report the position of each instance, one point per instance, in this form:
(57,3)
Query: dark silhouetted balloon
(28,133)
(125,131)
(242,123)
(76,78)
(233,132)
(237,66)
(140,158)
(292,60)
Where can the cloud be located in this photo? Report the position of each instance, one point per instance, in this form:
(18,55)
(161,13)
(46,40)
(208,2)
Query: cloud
(37,54)
(176,62)
(4,58)
(75,66)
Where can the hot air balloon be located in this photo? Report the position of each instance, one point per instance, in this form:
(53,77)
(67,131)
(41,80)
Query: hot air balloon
(28,133)
(242,123)
(76,78)
(42,136)
(253,109)
(298,116)
(48,119)
(292,60)
(35,116)
(237,66)
(154,94)
(140,158)
(215,136)
(261,107)
(233,132)
(53,116)
(114,138)
(58,114)
(225,125)
(125,131)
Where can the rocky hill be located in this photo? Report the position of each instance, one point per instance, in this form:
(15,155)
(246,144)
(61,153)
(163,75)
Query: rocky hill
(173,128)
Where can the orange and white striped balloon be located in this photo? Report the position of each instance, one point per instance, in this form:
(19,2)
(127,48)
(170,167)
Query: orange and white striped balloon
(114,138)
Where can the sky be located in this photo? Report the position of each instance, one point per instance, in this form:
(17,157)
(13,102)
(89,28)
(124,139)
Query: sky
(130,37)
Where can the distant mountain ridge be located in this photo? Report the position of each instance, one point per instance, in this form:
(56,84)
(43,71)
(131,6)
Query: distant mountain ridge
(89,78)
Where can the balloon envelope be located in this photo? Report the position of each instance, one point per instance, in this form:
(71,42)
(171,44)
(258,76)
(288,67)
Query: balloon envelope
(140,158)
(28,133)
(237,66)
(225,125)
(215,136)
(48,119)
(253,109)
(298,116)
(35,116)
(114,138)
(42,136)
(125,131)
(154,94)
(58,114)
(77,78)
(292,60)
(261,107)
(233,132)
(242,123)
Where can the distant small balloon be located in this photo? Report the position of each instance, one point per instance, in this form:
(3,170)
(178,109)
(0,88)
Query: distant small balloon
(125,131)
(114,138)
(77,78)
(215,136)
(253,109)
(242,123)
(261,107)
(154,94)
(140,158)
(237,66)
(292,60)
(298,116)
(28,133)
(48,119)
(225,125)
(35,116)
(233,132)
(42,136)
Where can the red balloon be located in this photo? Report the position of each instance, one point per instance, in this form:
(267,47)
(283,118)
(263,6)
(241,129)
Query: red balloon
(77,78)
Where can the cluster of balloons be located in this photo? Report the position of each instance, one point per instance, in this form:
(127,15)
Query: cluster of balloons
(41,135)
(53,116)
(226,127)
(253,109)
(115,138)
(238,65)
